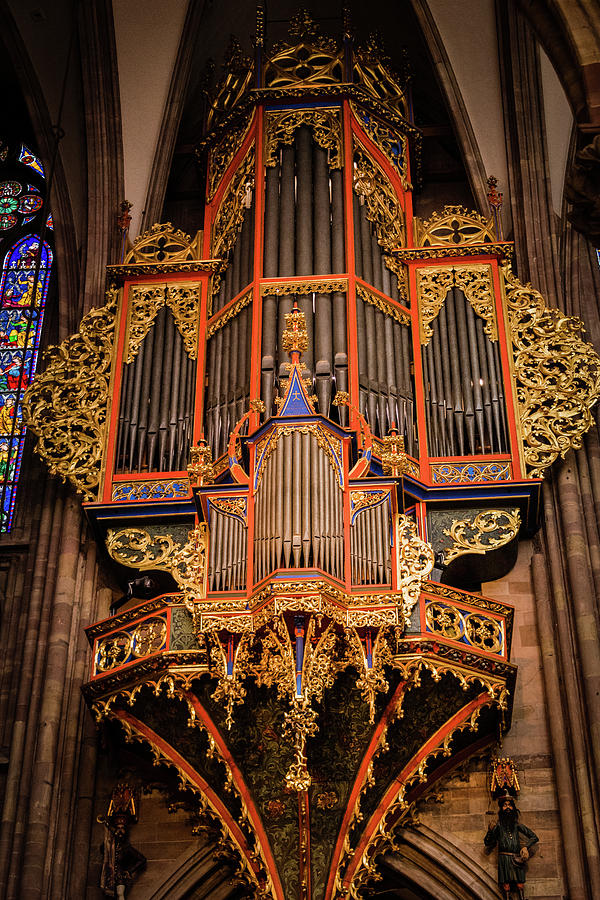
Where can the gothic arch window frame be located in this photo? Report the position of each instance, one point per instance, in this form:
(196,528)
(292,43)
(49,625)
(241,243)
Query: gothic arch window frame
(26,258)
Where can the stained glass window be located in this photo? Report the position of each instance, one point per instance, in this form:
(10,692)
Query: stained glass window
(25,269)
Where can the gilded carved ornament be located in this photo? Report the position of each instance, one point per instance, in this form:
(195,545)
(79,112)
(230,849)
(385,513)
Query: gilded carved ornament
(392,144)
(312,60)
(383,208)
(163,243)
(387,308)
(234,86)
(454,225)
(475,281)
(325,125)
(414,560)
(230,214)
(487,531)
(221,155)
(557,376)
(66,405)
(145,300)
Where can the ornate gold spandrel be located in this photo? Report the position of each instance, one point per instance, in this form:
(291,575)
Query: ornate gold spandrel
(454,225)
(145,301)
(325,125)
(488,530)
(557,376)
(230,214)
(383,207)
(475,281)
(66,406)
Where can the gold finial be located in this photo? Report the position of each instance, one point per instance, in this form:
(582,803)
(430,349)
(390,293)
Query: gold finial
(295,336)
(393,458)
(200,468)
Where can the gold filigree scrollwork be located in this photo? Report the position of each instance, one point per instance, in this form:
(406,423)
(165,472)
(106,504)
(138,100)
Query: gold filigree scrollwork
(66,406)
(433,284)
(235,507)
(162,243)
(113,651)
(392,144)
(304,287)
(475,281)
(487,531)
(150,490)
(476,284)
(366,499)
(222,154)
(137,549)
(230,214)
(145,300)
(200,468)
(371,679)
(557,374)
(228,314)
(454,225)
(383,207)
(470,473)
(414,559)
(325,124)
(312,60)
(184,302)
(189,567)
(379,303)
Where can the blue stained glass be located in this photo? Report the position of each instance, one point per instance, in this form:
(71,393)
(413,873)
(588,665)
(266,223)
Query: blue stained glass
(50,221)
(23,290)
(27,220)
(30,159)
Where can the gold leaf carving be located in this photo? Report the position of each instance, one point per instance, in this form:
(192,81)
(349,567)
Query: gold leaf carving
(392,144)
(379,303)
(414,559)
(66,405)
(383,207)
(304,287)
(475,281)
(454,225)
(162,243)
(487,531)
(557,373)
(137,549)
(183,299)
(222,154)
(325,124)
(230,214)
(228,314)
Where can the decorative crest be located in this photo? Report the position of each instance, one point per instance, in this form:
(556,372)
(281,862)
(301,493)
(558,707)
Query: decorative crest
(164,243)
(503,776)
(393,458)
(295,336)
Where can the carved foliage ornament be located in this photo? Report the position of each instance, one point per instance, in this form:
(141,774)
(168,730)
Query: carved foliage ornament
(557,373)
(66,405)
(487,531)
(383,208)
(325,124)
(415,559)
(230,214)
(145,300)
(391,144)
(475,281)
(388,309)
(222,154)
(312,60)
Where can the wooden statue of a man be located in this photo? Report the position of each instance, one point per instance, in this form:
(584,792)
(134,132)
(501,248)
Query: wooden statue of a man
(514,841)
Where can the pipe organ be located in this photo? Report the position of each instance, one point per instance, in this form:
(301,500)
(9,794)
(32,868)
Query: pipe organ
(320,424)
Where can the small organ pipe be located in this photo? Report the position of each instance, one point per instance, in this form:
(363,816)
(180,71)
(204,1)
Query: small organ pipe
(466,376)
(155,387)
(358,264)
(165,393)
(365,240)
(296,497)
(287,499)
(271,249)
(447,378)
(177,362)
(485,377)
(476,372)
(457,400)
(306,497)
(315,503)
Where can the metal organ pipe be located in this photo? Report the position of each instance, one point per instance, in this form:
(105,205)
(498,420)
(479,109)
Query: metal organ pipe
(464,399)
